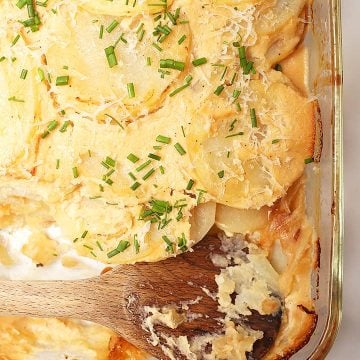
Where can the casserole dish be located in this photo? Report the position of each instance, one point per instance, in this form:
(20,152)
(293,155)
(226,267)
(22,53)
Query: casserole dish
(321,41)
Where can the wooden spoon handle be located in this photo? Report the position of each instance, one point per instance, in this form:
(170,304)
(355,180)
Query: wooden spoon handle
(46,299)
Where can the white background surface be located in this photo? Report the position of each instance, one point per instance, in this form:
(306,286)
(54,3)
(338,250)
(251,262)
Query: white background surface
(347,345)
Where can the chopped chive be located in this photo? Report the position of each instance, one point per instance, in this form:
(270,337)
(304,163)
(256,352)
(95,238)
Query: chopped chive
(275,141)
(232,125)
(190,184)
(64,126)
(156,18)
(111,57)
(236,94)
(219,90)
(224,73)
(57,164)
(183,131)
(110,161)
(109,173)
(148,174)
(179,89)
(233,78)
(62,80)
(170,245)
(105,165)
(182,39)
(99,245)
(21,3)
(172,64)
(135,186)
(200,61)
(112,253)
(188,79)
(133,158)
(180,149)
(253,118)
(112,26)
(17,37)
(141,35)
(148,61)
(182,243)
(157,147)
(123,245)
(143,166)
(15,99)
(101,32)
(309,160)
(221,174)
(157,47)
(171,17)
(163,139)
(233,135)
(132,176)
(52,125)
(75,172)
(2,58)
(45,134)
(136,244)
(23,74)
(140,27)
(155,157)
(113,119)
(83,236)
(131,90)
(162,170)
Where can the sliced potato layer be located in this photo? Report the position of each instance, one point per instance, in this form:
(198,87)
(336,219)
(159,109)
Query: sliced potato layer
(100,88)
(249,159)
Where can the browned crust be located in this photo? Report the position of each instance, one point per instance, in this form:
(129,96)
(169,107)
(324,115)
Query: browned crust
(301,342)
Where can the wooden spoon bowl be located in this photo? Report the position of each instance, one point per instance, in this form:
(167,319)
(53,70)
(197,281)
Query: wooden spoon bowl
(117,298)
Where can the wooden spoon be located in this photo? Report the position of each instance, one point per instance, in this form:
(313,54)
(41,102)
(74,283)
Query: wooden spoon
(117,298)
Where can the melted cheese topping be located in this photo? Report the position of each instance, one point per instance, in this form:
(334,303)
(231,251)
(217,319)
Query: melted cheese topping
(86,175)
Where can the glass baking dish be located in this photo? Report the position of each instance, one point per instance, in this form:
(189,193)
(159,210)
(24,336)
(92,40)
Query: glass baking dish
(325,190)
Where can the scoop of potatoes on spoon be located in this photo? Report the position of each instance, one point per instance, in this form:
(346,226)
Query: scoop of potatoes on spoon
(117,299)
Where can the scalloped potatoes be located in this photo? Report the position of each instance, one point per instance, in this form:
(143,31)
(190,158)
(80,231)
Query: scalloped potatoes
(135,126)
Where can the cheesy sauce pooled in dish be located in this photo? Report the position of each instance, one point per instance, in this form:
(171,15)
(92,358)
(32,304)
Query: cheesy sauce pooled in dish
(130,129)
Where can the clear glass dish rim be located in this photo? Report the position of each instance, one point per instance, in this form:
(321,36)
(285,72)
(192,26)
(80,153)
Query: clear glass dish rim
(336,277)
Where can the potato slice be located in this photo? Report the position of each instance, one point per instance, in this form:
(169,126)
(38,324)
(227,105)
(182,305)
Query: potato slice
(252,165)
(273,18)
(95,88)
(17,103)
(202,220)
(279,29)
(240,221)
